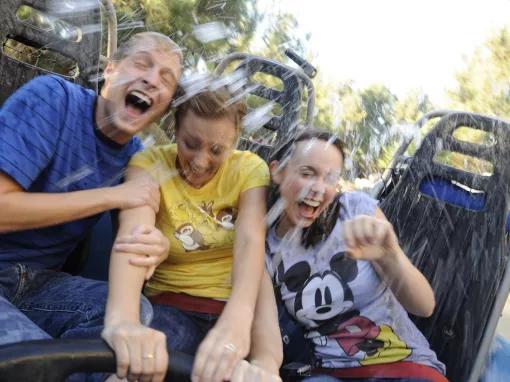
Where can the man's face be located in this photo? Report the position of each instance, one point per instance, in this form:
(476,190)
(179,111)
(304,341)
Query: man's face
(138,89)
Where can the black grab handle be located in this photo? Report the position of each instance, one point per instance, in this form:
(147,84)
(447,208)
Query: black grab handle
(54,360)
(308,68)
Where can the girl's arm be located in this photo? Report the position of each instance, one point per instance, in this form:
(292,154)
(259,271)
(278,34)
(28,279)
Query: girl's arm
(373,238)
(139,349)
(267,348)
(229,340)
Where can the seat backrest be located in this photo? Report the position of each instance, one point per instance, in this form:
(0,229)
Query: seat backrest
(289,98)
(461,249)
(36,31)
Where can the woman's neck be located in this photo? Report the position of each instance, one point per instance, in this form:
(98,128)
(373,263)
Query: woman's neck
(283,226)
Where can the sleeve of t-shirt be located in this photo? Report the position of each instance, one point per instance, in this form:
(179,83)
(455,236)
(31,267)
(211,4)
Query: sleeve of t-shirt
(358,203)
(30,126)
(256,172)
(147,159)
(136,146)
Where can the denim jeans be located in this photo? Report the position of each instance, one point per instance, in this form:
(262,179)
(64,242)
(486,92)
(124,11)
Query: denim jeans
(184,330)
(39,304)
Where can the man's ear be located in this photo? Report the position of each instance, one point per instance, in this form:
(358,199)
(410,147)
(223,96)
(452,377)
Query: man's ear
(108,70)
(276,171)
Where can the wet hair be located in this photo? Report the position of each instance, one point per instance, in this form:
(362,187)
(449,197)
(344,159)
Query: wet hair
(162,42)
(213,104)
(321,228)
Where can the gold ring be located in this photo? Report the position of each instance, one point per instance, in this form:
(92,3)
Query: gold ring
(230,347)
(148,356)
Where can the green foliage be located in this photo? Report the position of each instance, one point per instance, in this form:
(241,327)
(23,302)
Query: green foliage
(177,18)
(483,86)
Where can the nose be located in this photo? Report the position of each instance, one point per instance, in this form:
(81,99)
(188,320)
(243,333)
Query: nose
(201,161)
(151,77)
(318,186)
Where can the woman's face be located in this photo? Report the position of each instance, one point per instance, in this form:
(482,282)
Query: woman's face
(308,182)
(202,147)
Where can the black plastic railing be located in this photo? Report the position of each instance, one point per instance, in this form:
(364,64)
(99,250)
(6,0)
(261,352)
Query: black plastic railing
(54,360)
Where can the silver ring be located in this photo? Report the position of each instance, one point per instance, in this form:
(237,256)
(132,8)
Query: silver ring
(230,347)
(148,356)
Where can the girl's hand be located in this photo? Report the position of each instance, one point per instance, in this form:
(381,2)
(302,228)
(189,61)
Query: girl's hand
(140,351)
(369,238)
(148,242)
(248,372)
(227,343)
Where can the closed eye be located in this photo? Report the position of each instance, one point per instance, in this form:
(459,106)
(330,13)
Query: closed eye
(217,150)
(191,145)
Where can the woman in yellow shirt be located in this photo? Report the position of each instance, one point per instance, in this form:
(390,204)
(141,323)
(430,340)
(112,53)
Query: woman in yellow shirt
(212,211)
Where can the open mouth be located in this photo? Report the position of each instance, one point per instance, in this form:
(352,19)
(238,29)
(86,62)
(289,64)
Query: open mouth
(308,207)
(137,102)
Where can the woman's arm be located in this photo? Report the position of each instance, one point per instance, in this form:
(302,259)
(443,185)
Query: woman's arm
(373,238)
(216,357)
(138,349)
(267,348)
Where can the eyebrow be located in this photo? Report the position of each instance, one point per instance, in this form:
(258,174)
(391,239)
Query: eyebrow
(196,139)
(307,167)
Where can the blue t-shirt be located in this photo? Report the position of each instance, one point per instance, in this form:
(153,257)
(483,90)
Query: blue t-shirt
(49,143)
(350,314)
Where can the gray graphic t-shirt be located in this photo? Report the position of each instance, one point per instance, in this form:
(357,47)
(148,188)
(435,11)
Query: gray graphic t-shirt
(351,316)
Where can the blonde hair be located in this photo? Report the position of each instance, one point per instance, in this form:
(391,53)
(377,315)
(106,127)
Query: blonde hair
(213,104)
(162,42)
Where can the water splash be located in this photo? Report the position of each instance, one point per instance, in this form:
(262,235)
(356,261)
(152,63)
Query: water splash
(256,119)
(213,31)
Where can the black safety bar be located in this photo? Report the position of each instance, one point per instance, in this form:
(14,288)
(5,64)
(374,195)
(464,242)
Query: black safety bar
(54,360)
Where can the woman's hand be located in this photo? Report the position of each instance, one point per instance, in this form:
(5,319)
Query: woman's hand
(251,372)
(140,351)
(227,343)
(148,242)
(369,238)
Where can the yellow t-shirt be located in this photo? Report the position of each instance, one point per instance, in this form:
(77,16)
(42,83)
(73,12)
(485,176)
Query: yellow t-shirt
(199,222)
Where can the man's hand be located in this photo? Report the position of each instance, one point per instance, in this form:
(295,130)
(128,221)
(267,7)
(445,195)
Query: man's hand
(138,192)
(148,242)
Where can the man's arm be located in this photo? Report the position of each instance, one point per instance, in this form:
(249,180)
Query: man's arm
(23,210)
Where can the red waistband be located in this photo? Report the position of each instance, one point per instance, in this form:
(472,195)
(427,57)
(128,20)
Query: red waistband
(402,369)
(189,303)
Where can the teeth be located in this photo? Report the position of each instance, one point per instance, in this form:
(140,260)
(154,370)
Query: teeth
(311,203)
(142,96)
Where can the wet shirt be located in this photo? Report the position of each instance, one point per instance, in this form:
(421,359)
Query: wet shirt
(49,143)
(352,317)
(199,222)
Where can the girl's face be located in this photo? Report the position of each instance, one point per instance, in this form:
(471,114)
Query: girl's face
(308,183)
(202,147)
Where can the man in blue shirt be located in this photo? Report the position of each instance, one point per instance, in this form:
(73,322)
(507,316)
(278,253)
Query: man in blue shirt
(63,150)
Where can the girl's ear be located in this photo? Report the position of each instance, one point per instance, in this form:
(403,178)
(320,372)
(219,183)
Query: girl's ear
(276,173)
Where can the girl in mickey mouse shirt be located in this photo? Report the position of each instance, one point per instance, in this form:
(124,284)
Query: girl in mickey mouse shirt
(341,273)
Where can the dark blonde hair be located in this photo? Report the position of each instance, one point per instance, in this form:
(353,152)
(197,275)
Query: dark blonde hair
(213,104)
(162,42)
